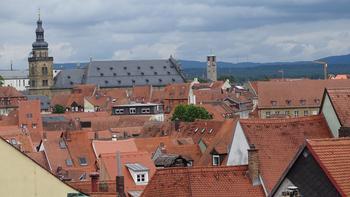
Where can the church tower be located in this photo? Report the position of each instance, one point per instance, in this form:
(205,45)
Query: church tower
(211,68)
(40,64)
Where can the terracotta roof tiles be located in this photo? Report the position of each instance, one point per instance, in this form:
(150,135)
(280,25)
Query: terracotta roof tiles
(278,140)
(202,181)
(340,99)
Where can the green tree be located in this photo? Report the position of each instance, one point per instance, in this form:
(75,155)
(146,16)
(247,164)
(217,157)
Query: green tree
(1,81)
(58,109)
(189,113)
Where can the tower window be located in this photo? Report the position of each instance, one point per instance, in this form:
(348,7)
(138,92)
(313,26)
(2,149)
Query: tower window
(45,83)
(33,83)
(44,70)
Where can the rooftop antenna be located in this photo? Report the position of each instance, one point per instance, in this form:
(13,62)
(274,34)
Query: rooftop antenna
(39,14)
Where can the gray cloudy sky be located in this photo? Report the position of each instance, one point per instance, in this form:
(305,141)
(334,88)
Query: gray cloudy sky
(235,30)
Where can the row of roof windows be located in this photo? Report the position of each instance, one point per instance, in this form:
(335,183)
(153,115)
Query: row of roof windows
(125,68)
(289,102)
(203,130)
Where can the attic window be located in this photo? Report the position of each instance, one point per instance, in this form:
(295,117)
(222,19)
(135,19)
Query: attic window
(141,178)
(83,176)
(288,102)
(119,81)
(196,130)
(211,130)
(106,81)
(68,77)
(133,81)
(69,162)
(82,161)
(98,68)
(114,74)
(216,160)
(302,102)
(62,144)
(203,130)
(155,73)
(128,73)
(101,74)
(168,73)
(147,80)
(160,80)
(13,141)
(125,67)
(273,103)
(138,67)
(151,67)
(142,73)
(164,67)
(317,101)
(71,83)
(110,68)
(173,79)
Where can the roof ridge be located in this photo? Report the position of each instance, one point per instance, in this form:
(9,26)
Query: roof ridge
(281,120)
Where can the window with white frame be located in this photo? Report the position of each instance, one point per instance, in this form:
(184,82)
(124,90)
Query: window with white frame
(216,160)
(145,110)
(132,110)
(141,178)
(119,111)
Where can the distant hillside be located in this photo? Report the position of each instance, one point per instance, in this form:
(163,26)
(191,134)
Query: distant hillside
(339,59)
(256,71)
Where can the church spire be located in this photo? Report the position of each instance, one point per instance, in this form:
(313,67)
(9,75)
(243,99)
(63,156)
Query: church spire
(40,41)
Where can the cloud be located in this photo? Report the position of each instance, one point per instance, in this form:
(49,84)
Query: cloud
(236,30)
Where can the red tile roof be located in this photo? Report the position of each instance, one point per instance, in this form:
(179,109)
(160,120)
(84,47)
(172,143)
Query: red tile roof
(109,166)
(300,93)
(29,115)
(278,140)
(40,158)
(103,147)
(202,181)
(340,99)
(177,91)
(333,155)
(9,92)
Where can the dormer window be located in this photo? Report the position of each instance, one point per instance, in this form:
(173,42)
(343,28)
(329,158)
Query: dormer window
(62,144)
(288,102)
(69,162)
(216,160)
(82,161)
(302,102)
(273,103)
(139,173)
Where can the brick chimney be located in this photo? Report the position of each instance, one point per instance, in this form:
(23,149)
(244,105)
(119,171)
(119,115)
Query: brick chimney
(94,179)
(253,165)
(119,178)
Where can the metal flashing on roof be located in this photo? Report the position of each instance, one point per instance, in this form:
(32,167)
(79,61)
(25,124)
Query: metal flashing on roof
(136,167)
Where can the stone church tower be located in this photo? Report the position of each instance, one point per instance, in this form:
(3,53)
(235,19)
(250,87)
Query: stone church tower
(211,68)
(40,65)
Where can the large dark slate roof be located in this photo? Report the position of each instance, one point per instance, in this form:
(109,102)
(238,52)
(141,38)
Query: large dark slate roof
(69,77)
(44,101)
(123,73)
